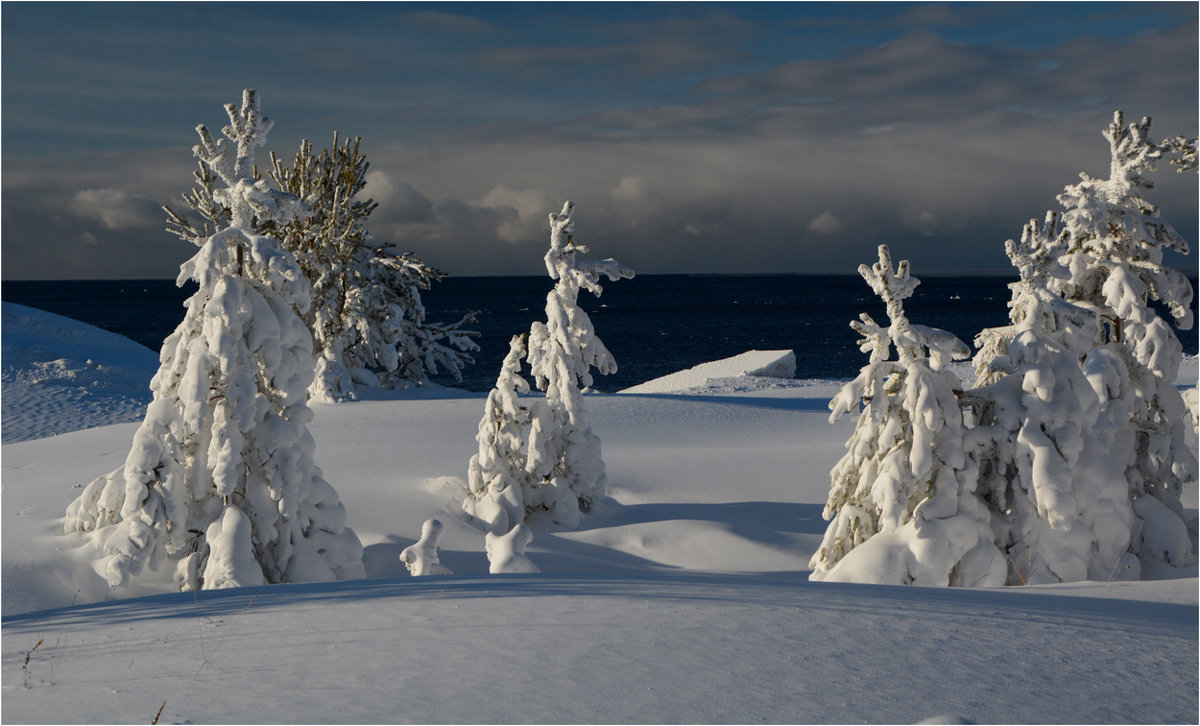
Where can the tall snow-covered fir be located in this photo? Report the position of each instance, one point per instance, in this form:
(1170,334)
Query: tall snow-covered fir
(220,482)
(1115,257)
(563,453)
(541,454)
(902,505)
(1047,445)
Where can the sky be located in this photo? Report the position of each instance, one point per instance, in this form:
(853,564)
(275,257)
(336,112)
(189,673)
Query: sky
(692,137)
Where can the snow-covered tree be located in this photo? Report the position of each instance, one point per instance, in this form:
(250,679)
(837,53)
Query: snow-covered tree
(421,557)
(1078,424)
(541,454)
(1116,242)
(496,477)
(1043,439)
(367,317)
(1033,305)
(220,480)
(902,506)
(563,454)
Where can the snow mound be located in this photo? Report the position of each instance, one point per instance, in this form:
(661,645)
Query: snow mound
(752,363)
(62,375)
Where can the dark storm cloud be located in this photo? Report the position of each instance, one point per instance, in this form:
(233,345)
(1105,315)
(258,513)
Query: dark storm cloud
(643,56)
(692,138)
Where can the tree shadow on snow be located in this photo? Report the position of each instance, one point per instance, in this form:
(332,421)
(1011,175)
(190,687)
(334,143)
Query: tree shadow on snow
(766,522)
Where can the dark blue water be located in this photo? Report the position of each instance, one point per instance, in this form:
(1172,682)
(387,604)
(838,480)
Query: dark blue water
(653,324)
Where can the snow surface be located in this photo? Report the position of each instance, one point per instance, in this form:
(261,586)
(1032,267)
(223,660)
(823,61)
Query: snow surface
(683,597)
(62,375)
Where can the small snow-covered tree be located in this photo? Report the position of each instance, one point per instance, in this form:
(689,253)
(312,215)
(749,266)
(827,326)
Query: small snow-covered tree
(421,557)
(220,479)
(563,454)
(1116,243)
(496,477)
(506,552)
(902,505)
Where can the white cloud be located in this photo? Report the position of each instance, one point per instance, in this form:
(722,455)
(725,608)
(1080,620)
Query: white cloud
(923,221)
(630,189)
(527,211)
(399,202)
(115,209)
(825,223)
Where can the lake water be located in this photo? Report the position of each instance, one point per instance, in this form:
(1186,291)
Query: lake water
(653,324)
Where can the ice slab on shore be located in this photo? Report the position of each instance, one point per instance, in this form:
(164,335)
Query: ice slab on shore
(756,363)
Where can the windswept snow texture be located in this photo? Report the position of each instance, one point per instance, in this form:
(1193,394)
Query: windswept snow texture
(61,375)
(683,598)
(752,363)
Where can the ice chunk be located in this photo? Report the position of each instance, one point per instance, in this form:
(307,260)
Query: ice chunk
(761,363)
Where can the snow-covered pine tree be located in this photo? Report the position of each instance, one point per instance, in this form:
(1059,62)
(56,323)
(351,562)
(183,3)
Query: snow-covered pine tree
(1116,241)
(563,454)
(1042,439)
(902,503)
(220,479)
(496,477)
(367,318)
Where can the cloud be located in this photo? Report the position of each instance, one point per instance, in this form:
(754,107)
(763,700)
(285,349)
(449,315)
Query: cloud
(630,189)
(668,126)
(398,201)
(922,221)
(522,211)
(643,58)
(338,60)
(115,209)
(824,224)
(449,23)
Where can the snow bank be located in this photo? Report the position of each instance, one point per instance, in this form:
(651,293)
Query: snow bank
(62,375)
(757,363)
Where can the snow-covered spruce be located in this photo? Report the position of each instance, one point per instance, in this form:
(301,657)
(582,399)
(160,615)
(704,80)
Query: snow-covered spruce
(563,454)
(1033,305)
(902,505)
(421,557)
(541,454)
(220,480)
(1049,448)
(496,477)
(1115,257)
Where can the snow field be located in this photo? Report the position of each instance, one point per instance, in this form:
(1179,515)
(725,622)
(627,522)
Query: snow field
(96,377)
(663,648)
(682,598)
